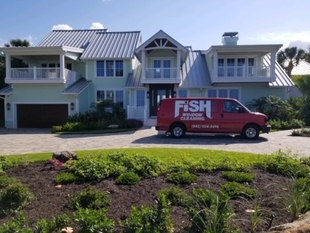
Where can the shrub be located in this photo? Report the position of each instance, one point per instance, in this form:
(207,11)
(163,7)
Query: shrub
(301,132)
(236,190)
(285,164)
(131,123)
(128,178)
(17,224)
(209,212)
(150,219)
(55,225)
(65,178)
(88,198)
(5,181)
(90,220)
(278,124)
(176,196)
(239,177)
(4,164)
(14,197)
(182,177)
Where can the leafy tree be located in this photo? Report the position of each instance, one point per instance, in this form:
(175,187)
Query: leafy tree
(289,58)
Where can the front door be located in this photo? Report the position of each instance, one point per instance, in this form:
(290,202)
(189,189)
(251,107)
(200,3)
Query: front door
(156,94)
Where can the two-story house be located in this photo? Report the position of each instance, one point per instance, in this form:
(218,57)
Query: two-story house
(70,69)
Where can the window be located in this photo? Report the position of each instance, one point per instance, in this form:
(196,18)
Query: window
(119,68)
(100,68)
(117,96)
(162,68)
(231,106)
(240,63)
(110,68)
(230,68)
(220,67)
(140,94)
(182,93)
(224,93)
(212,93)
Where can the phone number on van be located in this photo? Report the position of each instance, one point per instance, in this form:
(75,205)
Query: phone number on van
(205,126)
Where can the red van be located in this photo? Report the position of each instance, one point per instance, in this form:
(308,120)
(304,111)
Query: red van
(177,116)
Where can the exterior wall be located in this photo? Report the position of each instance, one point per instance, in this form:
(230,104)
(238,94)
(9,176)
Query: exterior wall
(250,92)
(83,101)
(196,92)
(35,94)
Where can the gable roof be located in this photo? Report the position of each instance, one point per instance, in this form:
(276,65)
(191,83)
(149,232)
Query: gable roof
(162,35)
(98,43)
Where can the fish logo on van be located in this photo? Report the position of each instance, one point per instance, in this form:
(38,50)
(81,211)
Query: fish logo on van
(193,107)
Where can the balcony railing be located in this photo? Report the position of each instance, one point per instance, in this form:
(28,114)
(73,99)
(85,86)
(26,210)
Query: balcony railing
(162,73)
(20,75)
(242,71)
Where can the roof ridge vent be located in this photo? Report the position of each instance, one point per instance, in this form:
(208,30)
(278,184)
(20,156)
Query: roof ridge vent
(230,38)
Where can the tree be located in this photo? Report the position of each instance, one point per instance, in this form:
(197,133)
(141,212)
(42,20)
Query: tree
(17,43)
(289,58)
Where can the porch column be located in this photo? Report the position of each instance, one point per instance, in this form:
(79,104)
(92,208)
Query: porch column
(8,66)
(215,65)
(62,66)
(143,64)
(178,64)
(273,66)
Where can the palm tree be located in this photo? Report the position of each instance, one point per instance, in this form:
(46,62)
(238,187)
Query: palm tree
(289,58)
(17,43)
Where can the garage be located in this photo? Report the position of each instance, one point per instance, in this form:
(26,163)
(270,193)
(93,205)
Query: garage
(41,115)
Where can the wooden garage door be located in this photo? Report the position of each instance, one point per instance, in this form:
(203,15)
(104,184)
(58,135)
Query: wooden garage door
(41,115)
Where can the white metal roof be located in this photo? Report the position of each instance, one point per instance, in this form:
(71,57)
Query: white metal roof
(6,90)
(303,68)
(96,43)
(112,45)
(77,87)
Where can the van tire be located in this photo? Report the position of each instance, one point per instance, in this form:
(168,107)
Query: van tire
(250,132)
(177,131)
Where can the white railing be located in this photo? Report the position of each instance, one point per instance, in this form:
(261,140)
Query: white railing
(136,112)
(242,71)
(42,74)
(160,73)
(70,77)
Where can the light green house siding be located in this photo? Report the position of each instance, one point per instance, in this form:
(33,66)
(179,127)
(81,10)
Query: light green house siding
(84,100)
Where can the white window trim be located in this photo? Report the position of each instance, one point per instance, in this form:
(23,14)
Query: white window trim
(48,62)
(162,59)
(225,57)
(105,67)
(224,88)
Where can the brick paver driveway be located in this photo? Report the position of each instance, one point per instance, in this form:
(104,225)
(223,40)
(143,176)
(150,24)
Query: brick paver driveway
(21,141)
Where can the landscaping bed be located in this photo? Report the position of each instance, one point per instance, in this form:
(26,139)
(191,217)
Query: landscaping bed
(271,201)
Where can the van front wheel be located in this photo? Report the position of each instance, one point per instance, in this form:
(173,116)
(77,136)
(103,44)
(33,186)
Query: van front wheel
(177,131)
(250,132)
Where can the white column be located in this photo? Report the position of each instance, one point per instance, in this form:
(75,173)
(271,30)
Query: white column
(215,64)
(34,72)
(143,64)
(273,66)
(8,66)
(178,64)
(62,66)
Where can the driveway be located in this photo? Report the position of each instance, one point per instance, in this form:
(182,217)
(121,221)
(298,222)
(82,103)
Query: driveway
(22,141)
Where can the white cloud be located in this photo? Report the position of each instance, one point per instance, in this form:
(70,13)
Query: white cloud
(62,27)
(96,25)
(299,39)
(29,39)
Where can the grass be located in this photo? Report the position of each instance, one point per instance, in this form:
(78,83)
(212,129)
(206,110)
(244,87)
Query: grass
(102,131)
(167,155)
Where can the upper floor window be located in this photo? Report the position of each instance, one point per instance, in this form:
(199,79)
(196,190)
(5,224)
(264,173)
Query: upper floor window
(110,68)
(162,68)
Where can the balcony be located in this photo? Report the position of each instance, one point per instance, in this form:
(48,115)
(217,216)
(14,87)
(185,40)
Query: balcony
(160,75)
(41,75)
(241,74)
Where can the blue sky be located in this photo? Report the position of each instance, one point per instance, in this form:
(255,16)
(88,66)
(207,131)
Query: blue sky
(196,23)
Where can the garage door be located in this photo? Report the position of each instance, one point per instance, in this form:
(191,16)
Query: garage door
(41,115)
